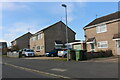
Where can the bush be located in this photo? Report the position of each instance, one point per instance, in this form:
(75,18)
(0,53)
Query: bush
(106,53)
(99,54)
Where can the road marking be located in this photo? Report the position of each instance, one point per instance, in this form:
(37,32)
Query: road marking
(58,69)
(37,71)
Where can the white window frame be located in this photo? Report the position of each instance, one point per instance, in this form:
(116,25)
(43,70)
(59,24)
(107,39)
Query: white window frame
(102,43)
(39,48)
(100,27)
(39,36)
(33,38)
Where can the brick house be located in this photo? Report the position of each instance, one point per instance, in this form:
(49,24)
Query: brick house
(21,42)
(104,34)
(3,48)
(44,40)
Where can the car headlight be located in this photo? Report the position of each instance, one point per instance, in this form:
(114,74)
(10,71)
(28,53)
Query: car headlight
(47,53)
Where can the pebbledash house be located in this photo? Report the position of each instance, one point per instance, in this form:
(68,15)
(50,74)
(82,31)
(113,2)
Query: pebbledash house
(46,39)
(104,34)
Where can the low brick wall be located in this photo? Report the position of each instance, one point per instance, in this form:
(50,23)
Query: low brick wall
(11,54)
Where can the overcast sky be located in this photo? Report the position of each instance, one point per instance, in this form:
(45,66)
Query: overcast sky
(20,17)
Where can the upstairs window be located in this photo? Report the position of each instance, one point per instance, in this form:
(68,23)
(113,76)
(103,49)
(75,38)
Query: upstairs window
(101,28)
(36,37)
(33,38)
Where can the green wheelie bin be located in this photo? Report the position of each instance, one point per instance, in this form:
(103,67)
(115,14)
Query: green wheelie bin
(78,55)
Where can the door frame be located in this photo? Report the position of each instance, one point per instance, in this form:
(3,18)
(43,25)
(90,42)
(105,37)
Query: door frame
(118,46)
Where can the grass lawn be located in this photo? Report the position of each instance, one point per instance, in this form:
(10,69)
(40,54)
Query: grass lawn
(60,59)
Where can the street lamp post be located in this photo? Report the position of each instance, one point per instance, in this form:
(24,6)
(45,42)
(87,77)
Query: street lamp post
(65,6)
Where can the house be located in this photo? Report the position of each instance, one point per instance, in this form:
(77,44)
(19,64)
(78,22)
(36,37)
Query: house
(46,39)
(78,45)
(21,42)
(3,48)
(103,33)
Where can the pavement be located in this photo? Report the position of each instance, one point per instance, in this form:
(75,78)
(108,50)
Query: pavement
(104,60)
(107,59)
(43,58)
(64,69)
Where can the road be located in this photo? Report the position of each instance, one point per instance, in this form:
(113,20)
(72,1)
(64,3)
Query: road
(18,68)
(12,72)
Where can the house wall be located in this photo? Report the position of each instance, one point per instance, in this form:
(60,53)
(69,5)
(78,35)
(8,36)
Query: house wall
(112,28)
(81,45)
(57,32)
(22,42)
(36,43)
(3,48)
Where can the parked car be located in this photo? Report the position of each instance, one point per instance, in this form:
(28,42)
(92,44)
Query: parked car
(52,53)
(62,53)
(28,52)
(15,52)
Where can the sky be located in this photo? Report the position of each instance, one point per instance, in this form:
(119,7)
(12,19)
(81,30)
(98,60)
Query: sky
(17,18)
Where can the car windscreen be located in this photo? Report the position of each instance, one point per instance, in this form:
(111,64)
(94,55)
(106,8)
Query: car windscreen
(29,51)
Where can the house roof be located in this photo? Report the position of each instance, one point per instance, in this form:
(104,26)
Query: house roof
(106,18)
(53,25)
(91,39)
(116,36)
(21,36)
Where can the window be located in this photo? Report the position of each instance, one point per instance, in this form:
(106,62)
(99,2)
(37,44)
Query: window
(42,47)
(33,48)
(38,47)
(39,36)
(101,28)
(14,43)
(102,44)
(33,38)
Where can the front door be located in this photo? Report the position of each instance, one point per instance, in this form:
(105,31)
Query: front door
(92,47)
(118,47)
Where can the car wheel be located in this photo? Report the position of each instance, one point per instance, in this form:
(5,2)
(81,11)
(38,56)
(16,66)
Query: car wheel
(65,55)
(52,55)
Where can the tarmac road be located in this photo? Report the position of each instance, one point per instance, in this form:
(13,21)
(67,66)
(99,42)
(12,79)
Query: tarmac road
(71,69)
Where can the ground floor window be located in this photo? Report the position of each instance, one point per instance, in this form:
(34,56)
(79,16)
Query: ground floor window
(102,44)
(38,47)
(33,48)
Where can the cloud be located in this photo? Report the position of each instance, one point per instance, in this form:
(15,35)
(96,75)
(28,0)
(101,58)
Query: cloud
(11,6)
(18,29)
(2,40)
(22,27)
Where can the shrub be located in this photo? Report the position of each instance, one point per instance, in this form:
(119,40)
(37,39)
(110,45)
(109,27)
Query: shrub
(99,54)
(106,53)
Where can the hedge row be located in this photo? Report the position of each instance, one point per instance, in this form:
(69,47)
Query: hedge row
(99,54)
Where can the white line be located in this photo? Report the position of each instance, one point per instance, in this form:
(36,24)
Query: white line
(58,69)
